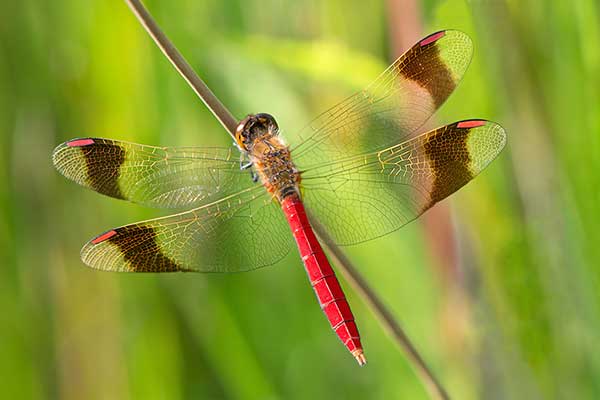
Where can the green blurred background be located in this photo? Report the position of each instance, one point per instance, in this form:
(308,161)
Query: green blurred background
(498,286)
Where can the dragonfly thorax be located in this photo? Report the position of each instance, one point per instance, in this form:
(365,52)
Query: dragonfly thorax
(271,158)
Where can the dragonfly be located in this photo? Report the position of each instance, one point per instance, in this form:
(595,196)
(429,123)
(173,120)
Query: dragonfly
(360,169)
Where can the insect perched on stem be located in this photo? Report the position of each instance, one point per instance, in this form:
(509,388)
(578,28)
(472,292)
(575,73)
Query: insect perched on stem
(358,167)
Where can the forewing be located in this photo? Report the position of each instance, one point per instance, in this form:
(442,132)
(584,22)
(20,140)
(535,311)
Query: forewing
(154,176)
(239,233)
(386,112)
(363,197)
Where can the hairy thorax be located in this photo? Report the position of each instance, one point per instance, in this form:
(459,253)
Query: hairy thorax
(274,166)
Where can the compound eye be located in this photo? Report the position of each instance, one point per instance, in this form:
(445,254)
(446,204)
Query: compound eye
(267,120)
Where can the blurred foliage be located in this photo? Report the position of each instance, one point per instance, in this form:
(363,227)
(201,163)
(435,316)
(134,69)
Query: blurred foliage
(519,321)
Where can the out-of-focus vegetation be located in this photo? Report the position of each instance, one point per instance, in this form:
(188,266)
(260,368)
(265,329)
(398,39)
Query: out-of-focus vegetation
(519,319)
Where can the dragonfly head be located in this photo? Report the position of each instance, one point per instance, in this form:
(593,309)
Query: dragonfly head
(253,127)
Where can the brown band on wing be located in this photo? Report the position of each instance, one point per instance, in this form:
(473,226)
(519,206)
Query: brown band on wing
(103,164)
(141,250)
(449,158)
(430,72)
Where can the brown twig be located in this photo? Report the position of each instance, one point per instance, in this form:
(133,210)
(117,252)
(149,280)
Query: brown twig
(183,67)
(383,314)
(385,317)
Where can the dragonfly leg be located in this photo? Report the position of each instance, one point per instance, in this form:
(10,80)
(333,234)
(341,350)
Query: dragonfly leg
(248,165)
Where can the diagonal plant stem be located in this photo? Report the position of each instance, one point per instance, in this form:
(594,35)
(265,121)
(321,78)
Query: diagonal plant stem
(383,314)
(183,67)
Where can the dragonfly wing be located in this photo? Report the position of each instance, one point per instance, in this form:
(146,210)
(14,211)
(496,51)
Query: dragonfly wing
(241,232)
(363,197)
(154,176)
(399,101)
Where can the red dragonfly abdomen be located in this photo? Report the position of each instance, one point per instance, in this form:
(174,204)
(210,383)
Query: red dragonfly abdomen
(322,278)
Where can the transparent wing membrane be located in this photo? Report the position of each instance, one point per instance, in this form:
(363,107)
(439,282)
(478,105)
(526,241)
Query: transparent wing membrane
(389,110)
(239,233)
(366,196)
(154,176)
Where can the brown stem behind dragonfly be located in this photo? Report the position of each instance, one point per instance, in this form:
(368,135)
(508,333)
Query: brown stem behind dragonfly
(384,316)
(183,67)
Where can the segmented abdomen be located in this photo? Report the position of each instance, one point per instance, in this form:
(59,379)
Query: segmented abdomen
(322,278)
